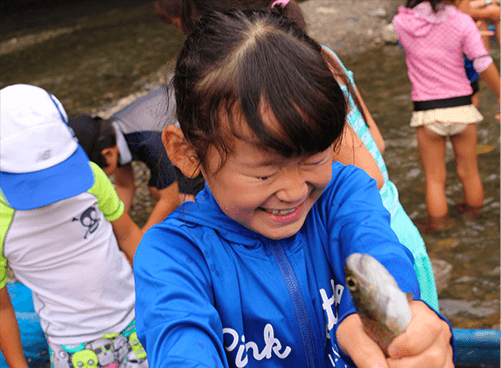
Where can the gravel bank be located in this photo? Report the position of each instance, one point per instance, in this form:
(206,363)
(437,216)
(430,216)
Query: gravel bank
(349,26)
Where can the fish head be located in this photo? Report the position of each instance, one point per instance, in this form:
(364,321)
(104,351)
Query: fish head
(375,293)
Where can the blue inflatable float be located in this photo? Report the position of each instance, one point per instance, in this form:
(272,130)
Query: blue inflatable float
(35,345)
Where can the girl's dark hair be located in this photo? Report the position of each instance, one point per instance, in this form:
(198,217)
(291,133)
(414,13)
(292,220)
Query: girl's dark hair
(192,10)
(106,139)
(434,3)
(237,62)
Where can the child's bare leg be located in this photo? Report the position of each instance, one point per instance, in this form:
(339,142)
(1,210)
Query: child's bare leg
(464,145)
(432,155)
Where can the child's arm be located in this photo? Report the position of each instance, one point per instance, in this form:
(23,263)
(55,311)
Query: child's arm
(124,185)
(491,77)
(355,216)
(10,337)
(425,343)
(167,201)
(373,128)
(352,151)
(126,231)
(128,235)
(172,280)
(478,9)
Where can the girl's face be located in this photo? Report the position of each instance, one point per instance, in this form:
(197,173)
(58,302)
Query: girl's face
(264,191)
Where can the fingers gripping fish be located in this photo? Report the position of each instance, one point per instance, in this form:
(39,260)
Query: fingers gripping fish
(382,306)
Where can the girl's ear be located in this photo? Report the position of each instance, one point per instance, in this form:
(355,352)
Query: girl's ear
(180,152)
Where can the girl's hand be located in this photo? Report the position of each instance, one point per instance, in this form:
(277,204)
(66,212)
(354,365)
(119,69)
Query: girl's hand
(425,343)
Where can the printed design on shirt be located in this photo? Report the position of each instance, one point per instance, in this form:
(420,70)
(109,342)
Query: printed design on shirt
(271,345)
(330,304)
(89,219)
(335,357)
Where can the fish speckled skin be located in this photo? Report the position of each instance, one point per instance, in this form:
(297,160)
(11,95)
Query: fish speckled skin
(382,306)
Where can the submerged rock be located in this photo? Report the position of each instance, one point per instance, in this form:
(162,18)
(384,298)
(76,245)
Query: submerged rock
(443,272)
(389,35)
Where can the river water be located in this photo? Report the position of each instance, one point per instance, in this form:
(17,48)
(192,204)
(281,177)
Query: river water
(90,58)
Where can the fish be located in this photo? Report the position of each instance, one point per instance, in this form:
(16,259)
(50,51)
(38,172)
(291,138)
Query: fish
(383,308)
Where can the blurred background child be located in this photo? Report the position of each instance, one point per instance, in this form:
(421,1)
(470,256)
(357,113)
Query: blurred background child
(435,35)
(134,134)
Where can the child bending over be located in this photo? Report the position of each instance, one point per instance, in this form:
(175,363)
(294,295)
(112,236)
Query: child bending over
(134,134)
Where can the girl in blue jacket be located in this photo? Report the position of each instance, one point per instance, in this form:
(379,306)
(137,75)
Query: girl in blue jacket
(362,144)
(251,274)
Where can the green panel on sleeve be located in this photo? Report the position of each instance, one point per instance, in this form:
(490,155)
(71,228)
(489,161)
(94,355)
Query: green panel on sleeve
(108,201)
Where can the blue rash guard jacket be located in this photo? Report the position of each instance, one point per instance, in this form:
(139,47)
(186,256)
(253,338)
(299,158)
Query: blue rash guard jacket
(212,293)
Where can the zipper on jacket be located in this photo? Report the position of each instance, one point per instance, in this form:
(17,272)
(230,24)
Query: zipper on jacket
(302,317)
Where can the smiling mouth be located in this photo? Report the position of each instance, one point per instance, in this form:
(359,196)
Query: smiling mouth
(281,212)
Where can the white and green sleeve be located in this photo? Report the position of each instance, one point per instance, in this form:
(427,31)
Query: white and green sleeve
(108,201)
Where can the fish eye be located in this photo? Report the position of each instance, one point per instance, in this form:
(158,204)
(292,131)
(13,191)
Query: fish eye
(351,283)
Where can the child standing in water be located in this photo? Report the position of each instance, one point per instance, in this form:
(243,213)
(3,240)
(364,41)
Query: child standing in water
(251,273)
(362,144)
(435,34)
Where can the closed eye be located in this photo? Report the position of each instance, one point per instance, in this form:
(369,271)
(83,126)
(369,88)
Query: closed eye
(314,163)
(316,160)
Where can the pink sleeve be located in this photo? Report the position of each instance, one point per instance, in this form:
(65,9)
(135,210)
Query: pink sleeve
(481,63)
(473,46)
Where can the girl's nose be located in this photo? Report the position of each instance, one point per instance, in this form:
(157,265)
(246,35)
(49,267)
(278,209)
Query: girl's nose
(293,188)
